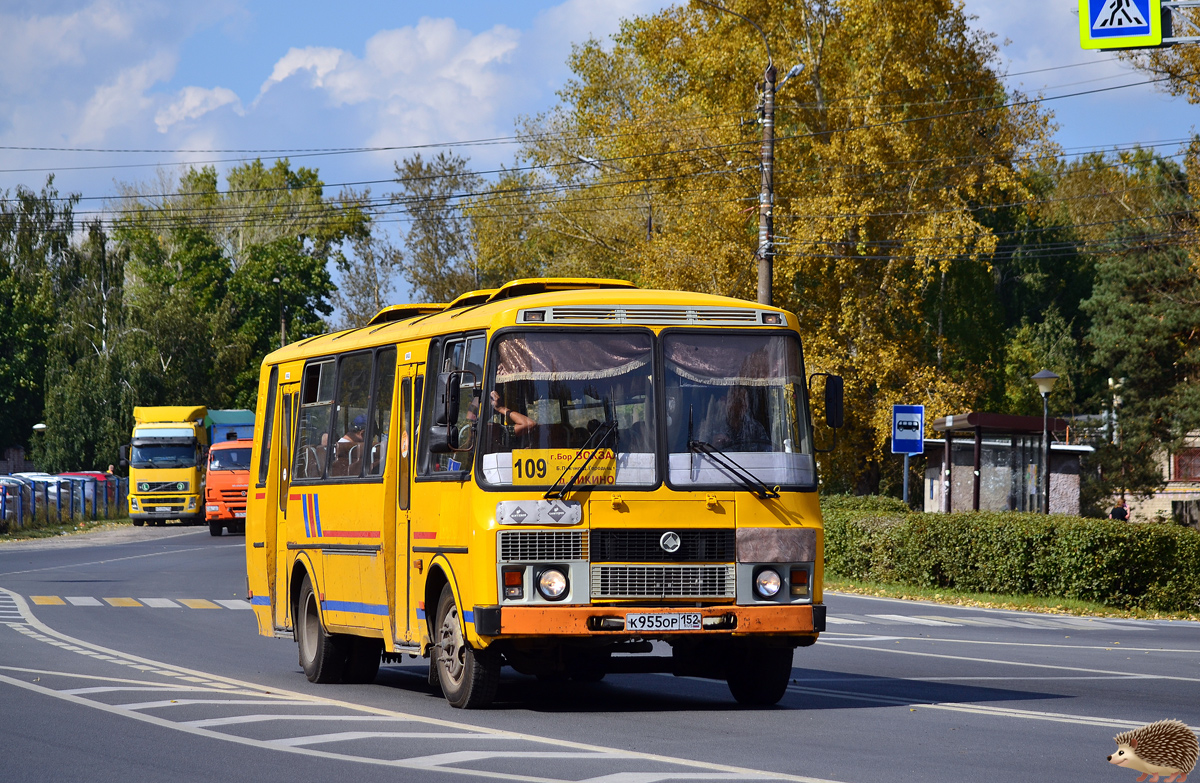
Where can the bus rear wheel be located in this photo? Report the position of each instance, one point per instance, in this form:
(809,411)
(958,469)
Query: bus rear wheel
(759,676)
(468,676)
(323,656)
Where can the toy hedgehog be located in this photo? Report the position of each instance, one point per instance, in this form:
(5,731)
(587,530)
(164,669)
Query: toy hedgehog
(1165,748)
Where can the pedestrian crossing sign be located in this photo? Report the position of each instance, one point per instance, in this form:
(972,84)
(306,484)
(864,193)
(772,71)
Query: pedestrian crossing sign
(1120,24)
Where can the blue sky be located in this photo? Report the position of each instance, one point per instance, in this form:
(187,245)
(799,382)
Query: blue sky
(163,75)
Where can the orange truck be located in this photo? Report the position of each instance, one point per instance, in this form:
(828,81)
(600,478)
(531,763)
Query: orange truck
(225,484)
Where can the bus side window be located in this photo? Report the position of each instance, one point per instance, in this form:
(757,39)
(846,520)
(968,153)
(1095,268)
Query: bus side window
(350,422)
(405,439)
(264,451)
(312,431)
(380,420)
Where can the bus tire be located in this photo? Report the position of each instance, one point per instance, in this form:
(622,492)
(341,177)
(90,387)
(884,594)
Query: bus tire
(468,676)
(759,676)
(215,528)
(362,660)
(139,522)
(322,655)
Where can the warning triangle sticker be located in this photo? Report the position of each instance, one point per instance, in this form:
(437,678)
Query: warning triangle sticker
(1117,14)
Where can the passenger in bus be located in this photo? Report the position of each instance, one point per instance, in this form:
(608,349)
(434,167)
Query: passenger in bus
(348,450)
(741,431)
(519,421)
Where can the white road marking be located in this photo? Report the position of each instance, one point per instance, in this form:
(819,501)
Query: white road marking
(440,760)
(344,736)
(236,603)
(900,618)
(234,720)
(1129,675)
(83,600)
(1059,645)
(1008,712)
(277,696)
(153,705)
(842,621)
(160,603)
(655,777)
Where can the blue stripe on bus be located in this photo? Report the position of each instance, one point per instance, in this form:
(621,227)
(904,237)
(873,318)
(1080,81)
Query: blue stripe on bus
(317,513)
(469,617)
(420,614)
(304,506)
(354,606)
(260,600)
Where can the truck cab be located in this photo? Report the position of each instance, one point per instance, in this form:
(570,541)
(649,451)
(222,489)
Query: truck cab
(165,459)
(226,480)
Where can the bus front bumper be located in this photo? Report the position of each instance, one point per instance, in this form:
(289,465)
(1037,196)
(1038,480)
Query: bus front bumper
(503,621)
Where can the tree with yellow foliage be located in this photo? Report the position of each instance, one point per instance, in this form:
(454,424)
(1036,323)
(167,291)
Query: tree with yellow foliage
(891,143)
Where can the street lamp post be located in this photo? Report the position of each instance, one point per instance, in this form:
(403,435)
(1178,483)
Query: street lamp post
(1045,381)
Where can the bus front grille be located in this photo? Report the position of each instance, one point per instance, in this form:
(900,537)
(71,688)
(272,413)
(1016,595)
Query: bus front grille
(664,581)
(531,546)
(645,546)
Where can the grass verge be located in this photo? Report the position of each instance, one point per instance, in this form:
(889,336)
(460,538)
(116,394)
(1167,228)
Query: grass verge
(1025,603)
(63,529)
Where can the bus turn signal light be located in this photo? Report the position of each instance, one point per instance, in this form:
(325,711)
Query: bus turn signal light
(799,582)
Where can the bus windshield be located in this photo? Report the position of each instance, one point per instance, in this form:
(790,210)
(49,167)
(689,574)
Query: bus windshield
(163,456)
(742,395)
(549,394)
(229,459)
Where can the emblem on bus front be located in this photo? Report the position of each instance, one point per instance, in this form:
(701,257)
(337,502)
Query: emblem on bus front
(670,542)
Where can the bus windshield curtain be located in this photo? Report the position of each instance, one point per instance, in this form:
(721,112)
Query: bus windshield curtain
(733,360)
(569,357)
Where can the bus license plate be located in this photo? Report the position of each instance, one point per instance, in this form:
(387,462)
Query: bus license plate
(675,621)
(239,514)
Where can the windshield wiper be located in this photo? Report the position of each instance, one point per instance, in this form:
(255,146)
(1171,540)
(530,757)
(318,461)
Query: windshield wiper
(600,435)
(723,460)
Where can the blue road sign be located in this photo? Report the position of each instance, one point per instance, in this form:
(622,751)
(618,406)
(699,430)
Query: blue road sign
(1120,24)
(908,429)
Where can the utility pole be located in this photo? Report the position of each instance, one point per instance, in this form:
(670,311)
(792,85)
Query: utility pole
(282,323)
(766,196)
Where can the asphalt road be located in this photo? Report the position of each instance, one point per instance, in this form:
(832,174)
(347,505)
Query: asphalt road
(132,656)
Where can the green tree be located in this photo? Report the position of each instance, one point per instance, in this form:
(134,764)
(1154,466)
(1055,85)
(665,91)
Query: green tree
(367,280)
(35,236)
(896,131)
(441,262)
(1145,330)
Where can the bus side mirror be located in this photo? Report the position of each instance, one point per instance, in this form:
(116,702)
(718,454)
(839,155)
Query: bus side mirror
(445,403)
(443,438)
(834,405)
(834,401)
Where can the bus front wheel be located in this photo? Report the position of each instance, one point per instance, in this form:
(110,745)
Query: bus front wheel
(468,676)
(322,655)
(759,676)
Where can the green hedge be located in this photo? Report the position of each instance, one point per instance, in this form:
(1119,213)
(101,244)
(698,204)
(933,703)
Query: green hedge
(1146,566)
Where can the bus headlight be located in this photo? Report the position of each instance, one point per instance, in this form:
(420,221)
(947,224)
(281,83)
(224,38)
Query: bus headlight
(552,584)
(767,583)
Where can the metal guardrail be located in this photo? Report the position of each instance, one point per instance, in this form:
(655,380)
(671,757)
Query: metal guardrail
(63,498)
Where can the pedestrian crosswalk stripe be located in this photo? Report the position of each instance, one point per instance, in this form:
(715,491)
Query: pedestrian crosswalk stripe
(842,621)
(152,603)
(198,603)
(914,620)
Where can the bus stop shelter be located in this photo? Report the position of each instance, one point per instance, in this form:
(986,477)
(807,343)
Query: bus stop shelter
(993,461)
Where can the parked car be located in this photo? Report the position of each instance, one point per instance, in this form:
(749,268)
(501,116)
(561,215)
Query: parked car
(95,480)
(46,487)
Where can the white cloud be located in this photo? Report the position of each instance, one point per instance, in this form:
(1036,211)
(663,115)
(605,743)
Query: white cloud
(193,103)
(123,101)
(318,61)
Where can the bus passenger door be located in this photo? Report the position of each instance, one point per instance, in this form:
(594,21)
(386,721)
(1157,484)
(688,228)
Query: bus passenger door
(409,393)
(289,394)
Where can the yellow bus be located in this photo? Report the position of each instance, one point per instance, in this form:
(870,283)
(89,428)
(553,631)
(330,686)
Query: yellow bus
(565,476)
